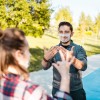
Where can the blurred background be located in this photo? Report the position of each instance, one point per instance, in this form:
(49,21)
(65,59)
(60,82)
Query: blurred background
(39,20)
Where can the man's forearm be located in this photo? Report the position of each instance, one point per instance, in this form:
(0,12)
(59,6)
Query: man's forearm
(46,65)
(78,64)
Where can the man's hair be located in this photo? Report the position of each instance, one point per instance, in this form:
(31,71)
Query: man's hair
(65,23)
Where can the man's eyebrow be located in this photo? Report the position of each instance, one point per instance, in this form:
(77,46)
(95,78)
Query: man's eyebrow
(66,31)
(61,31)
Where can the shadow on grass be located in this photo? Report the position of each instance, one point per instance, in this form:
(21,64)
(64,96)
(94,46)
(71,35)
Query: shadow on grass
(94,49)
(51,36)
(89,53)
(98,47)
(36,58)
(37,55)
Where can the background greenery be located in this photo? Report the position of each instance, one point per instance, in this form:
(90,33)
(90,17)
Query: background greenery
(33,17)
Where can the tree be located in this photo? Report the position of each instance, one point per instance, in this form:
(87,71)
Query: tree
(32,16)
(97,25)
(63,14)
(89,23)
(2,14)
(82,24)
(41,15)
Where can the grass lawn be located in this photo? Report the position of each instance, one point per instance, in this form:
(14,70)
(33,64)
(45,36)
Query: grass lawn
(36,48)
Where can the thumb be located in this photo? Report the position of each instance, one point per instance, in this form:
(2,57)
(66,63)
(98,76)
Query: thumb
(72,50)
(72,60)
(45,49)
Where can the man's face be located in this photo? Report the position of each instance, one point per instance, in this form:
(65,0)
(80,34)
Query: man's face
(65,33)
(64,29)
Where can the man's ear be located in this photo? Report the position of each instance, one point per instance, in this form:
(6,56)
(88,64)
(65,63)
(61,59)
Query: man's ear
(72,34)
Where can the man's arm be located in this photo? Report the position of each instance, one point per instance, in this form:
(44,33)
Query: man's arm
(46,64)
(81,61)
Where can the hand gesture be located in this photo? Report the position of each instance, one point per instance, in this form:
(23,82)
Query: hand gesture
(64,65)
(49,54)
(69,54)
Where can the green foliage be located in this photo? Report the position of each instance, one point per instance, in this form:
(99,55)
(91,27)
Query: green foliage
(88,27)
(36,58)
(31,16)
(41,14)
(85,24)
(63,14)
(81,27)
(89,33)
(97,24)
(89,23)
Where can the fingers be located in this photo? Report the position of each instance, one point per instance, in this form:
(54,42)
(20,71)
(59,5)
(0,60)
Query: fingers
(72,50)
(51,52)
(72,60)
(61,55)
(63,49)
(54,47)
(67,56)
(54,50)
(45,49)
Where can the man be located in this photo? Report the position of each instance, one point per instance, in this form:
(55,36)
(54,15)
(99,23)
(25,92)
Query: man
(65,30)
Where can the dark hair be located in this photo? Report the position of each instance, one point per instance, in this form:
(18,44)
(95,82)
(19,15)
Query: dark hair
(65,23)
(11,39)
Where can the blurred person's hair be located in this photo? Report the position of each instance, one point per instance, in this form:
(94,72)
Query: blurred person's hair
(10,40)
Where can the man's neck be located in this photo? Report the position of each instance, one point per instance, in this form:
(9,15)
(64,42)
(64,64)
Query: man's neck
(66,44)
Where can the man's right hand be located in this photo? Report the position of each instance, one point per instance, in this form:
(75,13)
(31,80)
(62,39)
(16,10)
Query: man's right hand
(49,54)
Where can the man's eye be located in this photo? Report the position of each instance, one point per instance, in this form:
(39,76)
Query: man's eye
(66,31)
(60,32)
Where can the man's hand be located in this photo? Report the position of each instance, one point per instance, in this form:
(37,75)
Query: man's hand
(77,63)
(63,66)
(69,54)
(49,54)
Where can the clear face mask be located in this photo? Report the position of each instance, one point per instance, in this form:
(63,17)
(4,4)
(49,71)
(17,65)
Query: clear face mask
(64,37)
